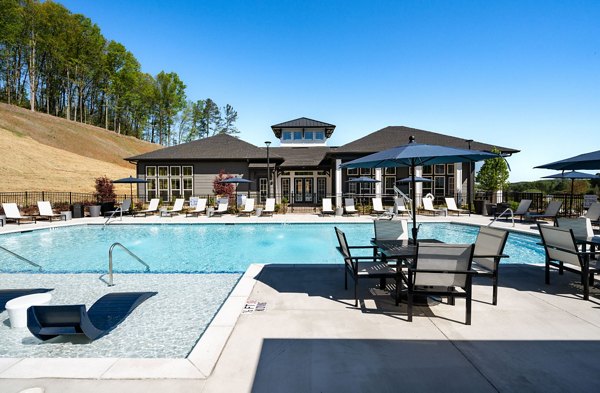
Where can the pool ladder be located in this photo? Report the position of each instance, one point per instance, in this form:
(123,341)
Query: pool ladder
(110,261)
(22,258)
(512,217)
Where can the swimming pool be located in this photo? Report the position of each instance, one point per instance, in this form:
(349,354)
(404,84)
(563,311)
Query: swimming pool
(213,248)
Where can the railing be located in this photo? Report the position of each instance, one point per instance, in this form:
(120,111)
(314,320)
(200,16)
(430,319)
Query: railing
(110,261)
(117,210)
(22,258)
(508,210)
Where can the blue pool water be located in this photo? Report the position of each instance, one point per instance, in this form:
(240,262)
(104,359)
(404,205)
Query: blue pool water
(213,248)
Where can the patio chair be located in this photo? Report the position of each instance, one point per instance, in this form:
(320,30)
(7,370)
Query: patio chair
(222,206)
(390,229)
(593,213)
(326,207)
(551,212)
(377,206)
(269,207)
(152,208)
(363,267)
(120,210)
(199,209)
(46,322)
(489,248)
(441,270)
(349,207)
(523,208)
(248,208)
(400,206)
(428,206)
(452,208)
(177,208)
(581,226)
(12,212)
(563,254)
(45,209)
(8,294)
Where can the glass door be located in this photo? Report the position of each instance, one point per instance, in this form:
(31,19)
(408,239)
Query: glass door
(303,190)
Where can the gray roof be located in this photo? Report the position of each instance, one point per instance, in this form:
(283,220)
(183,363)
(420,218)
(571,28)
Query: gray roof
(303,122)
(393,136)
(302,156)
(218,147)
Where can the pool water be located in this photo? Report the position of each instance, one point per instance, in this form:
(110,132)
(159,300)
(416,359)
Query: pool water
(213,248)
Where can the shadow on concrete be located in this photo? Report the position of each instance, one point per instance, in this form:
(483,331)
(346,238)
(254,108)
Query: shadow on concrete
(344,365)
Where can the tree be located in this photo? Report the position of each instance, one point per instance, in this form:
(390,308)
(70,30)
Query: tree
(105,190)
(493,175)
(170,91)
(229,121)
(223,188)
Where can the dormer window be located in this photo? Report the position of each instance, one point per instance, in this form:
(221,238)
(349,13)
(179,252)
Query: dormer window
(287,136)
(308,135)
(297,135)
(319,135)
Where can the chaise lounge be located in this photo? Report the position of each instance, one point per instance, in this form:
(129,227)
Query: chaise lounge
(11,211)
(152,208)
(199,209)
(551,212)
(46,322)
(45,210)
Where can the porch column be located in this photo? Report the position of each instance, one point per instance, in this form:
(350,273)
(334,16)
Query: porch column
(419,186)
(338,183)
(458,188)
(378,187)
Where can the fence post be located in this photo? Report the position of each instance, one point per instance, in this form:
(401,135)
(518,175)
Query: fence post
(70,198)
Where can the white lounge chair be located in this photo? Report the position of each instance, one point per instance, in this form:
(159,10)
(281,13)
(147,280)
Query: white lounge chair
(152,208)
(349,206)
(177,208)
(248,208)
(45,210)
(269,207)
(11,211)
(200,208)
(452,208)
(326,207)
(123,209)
(400,206)
(428,206)
(377,206)
(222,206)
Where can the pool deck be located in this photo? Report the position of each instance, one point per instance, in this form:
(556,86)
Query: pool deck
(310,337)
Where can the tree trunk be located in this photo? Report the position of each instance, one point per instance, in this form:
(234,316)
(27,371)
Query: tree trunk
(32,72)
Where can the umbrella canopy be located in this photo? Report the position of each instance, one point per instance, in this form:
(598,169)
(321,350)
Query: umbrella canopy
(363,180)
(573,176)
(416,154)
(236,180)
(582,161)
(417,180)
(131,181)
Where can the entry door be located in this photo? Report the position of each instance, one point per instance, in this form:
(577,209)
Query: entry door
(303,190)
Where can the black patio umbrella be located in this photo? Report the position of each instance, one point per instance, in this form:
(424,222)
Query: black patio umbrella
(131,181)
(582,161)
(417,154)
(237,180)
(573,176)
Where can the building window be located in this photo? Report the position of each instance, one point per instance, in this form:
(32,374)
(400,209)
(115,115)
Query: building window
(440,169)
(451,189)
(352,189)
(427,170)
(352,171)
(365,171)
(287,136)
(297,135)
(285,188)
(188,187)
(151,189)
(321,188)
(262,188)
(171,182)
(163,171)
(150,171)
(175,171)
(389,185)
(319,135)
(450,169)
(427,186)
(308,135)
(390,171)
(175,187)
(440,182)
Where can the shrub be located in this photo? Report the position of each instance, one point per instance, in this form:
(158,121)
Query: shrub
(105,190)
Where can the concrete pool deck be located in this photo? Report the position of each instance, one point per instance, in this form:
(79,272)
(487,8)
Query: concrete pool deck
(310,338)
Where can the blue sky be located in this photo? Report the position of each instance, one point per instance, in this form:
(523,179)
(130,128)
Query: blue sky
(520,74)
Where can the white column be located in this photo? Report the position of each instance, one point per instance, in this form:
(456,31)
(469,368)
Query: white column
(460,196)
(378,186)
(338,183)
(419,186)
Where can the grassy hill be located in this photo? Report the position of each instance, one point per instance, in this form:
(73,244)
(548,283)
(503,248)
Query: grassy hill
(46,153)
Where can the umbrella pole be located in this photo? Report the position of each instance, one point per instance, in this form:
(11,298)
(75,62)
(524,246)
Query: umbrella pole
(571,202)
(415,230)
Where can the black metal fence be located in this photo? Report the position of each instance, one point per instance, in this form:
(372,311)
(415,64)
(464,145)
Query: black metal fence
(30,198)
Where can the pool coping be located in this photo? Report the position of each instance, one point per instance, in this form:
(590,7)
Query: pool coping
(198,364)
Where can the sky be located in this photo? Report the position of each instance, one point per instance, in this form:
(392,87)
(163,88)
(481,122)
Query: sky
(519,74)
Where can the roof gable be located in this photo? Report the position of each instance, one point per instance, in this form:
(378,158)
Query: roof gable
(218,147)
(393,136)
(303,122)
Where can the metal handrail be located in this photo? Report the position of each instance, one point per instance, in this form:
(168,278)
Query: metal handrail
(117,210)
(110,261)
(22,258)
(512,217)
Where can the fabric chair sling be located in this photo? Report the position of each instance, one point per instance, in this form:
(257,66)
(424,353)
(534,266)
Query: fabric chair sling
(152,207)
(489,248)
(377,206)
(269,207)
(200,208)
(45,209)
(390,229)
(326,206)
(428,206)
(523,208)
(442,270)
(551,212)
(222,206)
(401,206)
(11,211)
(349,206)
(452,208)
(248,207)
(177,207)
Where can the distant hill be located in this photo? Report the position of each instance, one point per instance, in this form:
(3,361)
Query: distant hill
(40,152)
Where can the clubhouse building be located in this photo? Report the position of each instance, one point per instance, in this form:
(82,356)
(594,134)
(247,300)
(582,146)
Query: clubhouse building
(303,168)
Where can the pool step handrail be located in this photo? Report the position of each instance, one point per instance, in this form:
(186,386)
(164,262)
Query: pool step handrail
(117,210)
(22,258)
(110,261)
(408,202)
(512,216)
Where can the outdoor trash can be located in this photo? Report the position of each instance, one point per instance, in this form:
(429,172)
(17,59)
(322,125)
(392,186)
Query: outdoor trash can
(77,210)
(95,210)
